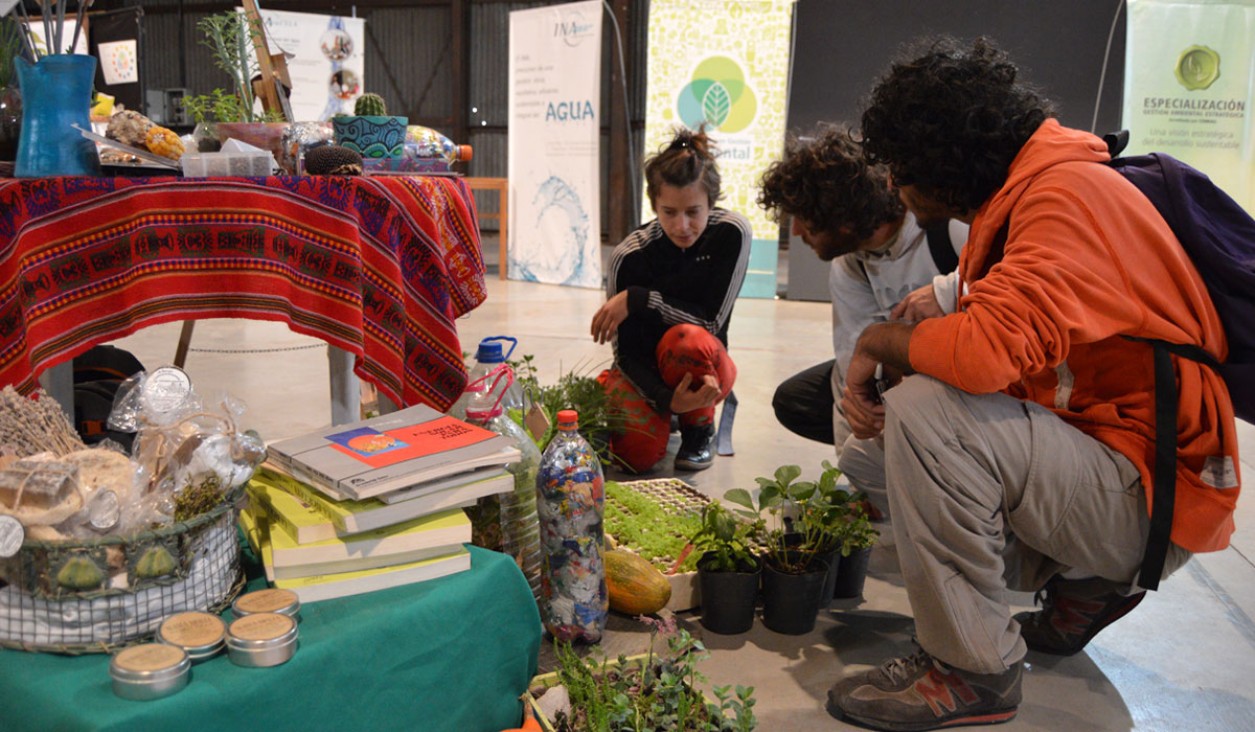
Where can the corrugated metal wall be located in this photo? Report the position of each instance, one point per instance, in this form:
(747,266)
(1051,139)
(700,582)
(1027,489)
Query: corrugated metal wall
(409,62)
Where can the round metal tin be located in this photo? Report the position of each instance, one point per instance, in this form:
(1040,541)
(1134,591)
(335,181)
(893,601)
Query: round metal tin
(149,671)
(201,635)
(261,639)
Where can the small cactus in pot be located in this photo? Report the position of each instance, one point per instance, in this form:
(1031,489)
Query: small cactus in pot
(370,105)
(371,131)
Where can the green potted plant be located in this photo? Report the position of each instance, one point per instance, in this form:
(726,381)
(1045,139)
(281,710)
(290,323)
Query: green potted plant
(10,97)
(370,130)
(857,538)
(653,691)
(233,114)
(727,569)
(799,546)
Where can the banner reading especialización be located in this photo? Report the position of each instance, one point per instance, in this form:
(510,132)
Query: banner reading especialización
(1189,83)
(725,63)
(555,134)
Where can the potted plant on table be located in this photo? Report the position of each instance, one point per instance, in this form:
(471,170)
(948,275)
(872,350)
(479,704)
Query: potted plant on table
(370,130)
(234,114)
(727,569)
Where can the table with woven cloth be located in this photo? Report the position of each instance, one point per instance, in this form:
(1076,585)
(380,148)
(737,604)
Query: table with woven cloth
(377,266)
(448,655)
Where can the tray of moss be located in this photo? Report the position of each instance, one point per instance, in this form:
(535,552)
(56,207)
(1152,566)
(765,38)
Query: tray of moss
(655,518)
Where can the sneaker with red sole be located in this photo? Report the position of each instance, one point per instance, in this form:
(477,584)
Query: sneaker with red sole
(1072,613)
(919,693)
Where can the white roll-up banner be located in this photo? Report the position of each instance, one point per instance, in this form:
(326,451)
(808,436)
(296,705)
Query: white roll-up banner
(554,138)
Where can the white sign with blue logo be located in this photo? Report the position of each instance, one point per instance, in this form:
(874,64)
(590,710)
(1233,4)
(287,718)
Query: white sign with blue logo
(555,135)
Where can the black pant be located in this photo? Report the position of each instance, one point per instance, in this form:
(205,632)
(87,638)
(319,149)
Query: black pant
(804,403)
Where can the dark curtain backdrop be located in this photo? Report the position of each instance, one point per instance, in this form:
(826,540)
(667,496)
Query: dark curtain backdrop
(842,46)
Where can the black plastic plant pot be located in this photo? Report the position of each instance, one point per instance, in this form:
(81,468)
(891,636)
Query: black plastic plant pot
(728,600)
(851,574)
(791,602)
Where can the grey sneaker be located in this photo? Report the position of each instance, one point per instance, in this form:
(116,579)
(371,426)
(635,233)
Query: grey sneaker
(921,693)
(1072,612)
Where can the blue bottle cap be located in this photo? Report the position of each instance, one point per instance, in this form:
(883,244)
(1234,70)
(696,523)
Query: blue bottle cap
(489,352)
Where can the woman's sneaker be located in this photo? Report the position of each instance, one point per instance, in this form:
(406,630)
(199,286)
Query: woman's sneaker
(921,693)
(697,448)
(1072,612)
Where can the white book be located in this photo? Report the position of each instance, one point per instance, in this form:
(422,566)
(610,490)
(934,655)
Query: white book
(391,452)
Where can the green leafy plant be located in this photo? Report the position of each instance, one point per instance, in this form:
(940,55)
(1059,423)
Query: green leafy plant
(10,48)
(726,543)
(657,691)
(661,536)
(218,106)
(809,518)
(230,36)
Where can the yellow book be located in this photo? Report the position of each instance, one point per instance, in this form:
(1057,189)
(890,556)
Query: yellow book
(296,516)
(353,517)
(328,586)
(422,538)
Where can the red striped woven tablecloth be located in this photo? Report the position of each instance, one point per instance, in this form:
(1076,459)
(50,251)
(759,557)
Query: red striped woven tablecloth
(377,266)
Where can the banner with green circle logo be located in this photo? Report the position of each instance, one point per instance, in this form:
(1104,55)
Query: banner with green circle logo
(725,63)
(1189,83)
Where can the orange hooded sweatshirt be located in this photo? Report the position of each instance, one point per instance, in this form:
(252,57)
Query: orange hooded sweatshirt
(1088,260)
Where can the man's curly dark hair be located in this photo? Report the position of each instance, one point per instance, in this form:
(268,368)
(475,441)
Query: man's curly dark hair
(825,181)
(951,121)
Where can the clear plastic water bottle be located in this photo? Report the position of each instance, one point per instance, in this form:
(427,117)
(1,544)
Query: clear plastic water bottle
(490,358)
(571,505)
(507,522)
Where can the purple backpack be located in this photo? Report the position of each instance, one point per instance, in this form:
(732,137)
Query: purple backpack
(1219,237)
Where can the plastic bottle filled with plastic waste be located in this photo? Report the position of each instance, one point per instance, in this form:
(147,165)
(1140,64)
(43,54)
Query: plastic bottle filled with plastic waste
(424,143)
(570,501)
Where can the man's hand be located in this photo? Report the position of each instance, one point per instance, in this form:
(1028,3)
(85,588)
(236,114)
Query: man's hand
(883,344)
(686,399)
(918,305)
(861,400)
(608,318)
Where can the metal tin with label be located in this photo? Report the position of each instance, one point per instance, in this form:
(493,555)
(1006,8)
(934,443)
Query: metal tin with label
(261,639)
(275,600)
(201,635)
(149,671)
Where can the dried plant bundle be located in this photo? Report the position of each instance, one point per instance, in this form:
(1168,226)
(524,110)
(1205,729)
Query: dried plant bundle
(30,425)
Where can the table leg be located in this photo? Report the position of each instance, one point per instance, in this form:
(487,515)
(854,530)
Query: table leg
(346,388)
(503,194)
(185,342)
(58,381)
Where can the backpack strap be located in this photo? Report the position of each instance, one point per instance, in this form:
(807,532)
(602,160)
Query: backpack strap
(940,246)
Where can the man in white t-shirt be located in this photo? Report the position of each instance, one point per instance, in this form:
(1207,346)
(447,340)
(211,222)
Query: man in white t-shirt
(884,266)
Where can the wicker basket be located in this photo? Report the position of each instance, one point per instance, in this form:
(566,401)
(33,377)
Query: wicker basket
(93,596)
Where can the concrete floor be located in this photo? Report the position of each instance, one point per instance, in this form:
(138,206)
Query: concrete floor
(1184,660)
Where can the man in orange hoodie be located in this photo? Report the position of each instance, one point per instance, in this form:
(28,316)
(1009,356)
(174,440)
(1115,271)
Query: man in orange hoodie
(1019,454)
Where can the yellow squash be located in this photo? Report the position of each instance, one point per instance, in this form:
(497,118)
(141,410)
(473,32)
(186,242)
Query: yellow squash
(636,587)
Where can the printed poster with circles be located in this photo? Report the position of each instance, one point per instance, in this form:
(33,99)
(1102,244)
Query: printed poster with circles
(1189,84)
(326,60)
(725,63)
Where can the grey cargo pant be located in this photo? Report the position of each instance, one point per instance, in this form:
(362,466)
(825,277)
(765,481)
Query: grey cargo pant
(988,492)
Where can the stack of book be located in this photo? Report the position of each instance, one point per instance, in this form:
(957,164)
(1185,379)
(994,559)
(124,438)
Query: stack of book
(374,504)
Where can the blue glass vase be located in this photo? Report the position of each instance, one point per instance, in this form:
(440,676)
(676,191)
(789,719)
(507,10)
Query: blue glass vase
(56,94)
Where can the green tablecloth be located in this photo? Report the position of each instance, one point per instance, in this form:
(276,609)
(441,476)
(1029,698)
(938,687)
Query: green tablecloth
(449,654)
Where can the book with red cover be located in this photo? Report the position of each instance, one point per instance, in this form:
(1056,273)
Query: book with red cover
(391,452)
